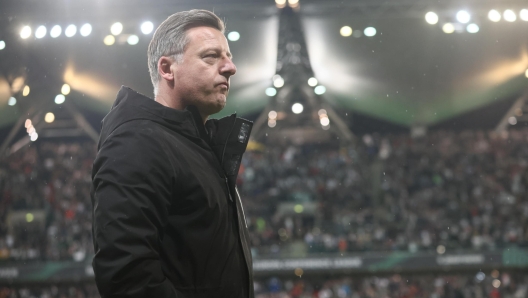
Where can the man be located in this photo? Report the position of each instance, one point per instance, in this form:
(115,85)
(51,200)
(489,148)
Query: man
(167,218)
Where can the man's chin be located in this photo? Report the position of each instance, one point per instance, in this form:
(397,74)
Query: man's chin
(213,108)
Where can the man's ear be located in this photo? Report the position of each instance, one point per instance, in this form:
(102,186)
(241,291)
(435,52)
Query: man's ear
(164,68)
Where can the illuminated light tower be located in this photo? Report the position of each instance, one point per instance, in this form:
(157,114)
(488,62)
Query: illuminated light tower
(295,94)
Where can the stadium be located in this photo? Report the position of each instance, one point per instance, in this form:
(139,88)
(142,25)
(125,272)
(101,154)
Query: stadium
(388,155)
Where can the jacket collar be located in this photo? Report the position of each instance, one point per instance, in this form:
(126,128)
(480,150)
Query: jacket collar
(226,137)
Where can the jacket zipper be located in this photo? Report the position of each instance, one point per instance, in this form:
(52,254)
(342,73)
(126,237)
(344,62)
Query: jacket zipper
(241,234)
(228,191)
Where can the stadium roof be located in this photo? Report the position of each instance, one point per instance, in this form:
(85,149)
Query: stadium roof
(409,72)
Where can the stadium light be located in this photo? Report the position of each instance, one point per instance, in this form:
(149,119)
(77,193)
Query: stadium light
(463,17)
(278,81)
(34,136)
(60,99)
(25,91)
(293,3)
(86,29)
(12,101)
(472,28)
(70,31)
(40,32)
(55,31)
(524,15)
(109,40)
(448,28)
(233,36)
(312,82)
(25,32)
(49,118)
(325,121)
(133,39)
(271,91)
(494,15)
(320,90)
(431,18)
(2,44)
(116,28)
(147,27)
(272,115)
(297,108)
(370,31)
(280,3)
(346,31)
(509,15)
(272,123)
(65,90)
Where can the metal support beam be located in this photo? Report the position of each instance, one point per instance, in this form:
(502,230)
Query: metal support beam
(82,123)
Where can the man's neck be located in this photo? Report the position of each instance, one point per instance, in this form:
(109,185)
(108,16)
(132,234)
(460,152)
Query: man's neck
(175,104)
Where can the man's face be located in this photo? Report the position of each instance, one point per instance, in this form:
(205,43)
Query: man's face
(201,78)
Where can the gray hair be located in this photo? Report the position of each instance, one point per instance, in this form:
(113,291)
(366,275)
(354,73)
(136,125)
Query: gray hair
(170,39)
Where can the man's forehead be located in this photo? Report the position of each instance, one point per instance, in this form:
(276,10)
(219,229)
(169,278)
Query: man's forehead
(203,38)
(206,34)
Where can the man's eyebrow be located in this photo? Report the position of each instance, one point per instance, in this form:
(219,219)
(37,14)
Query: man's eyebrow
(228,54)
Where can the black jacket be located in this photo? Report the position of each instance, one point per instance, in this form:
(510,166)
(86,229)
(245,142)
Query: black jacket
(167,218)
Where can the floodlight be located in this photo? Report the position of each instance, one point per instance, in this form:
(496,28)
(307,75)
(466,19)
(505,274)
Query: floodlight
(109,40)
(116,28)
(509,15)
(320,90)
(59,99)
(271,91)
(448,28)
(55,31)
(25,32)
(472,28)
(70,31)
(12,101)
(345,31)
(133,39)
(370,31)
(233,36)
(86,29)
(147,27)
(297,108)
(431,18)
(40,32)
(463,16)
(312,82)
(494,15)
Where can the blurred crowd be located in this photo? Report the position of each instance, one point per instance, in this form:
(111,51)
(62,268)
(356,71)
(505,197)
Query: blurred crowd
(441,192)
(444,191)
(494,285)
(80,290)
(45,206)
(479,285)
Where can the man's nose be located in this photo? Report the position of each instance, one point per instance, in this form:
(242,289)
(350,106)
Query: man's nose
(228,68)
